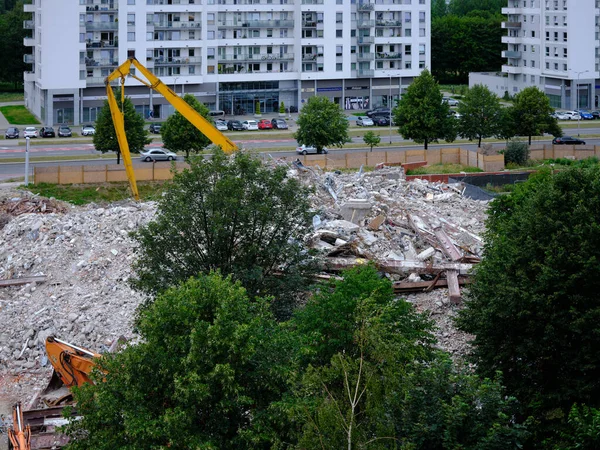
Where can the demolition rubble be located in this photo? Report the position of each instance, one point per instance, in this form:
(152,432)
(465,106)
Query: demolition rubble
(424,236)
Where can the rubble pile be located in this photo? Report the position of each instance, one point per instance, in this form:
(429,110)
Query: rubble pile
(413,231)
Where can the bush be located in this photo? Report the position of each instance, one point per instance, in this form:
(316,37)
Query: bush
(516,152)
(281,108)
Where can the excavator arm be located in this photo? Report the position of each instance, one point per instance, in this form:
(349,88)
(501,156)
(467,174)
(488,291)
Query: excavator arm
(19,434)
(178,103)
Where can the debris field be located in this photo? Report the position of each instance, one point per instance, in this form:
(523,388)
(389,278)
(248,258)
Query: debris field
(421,235)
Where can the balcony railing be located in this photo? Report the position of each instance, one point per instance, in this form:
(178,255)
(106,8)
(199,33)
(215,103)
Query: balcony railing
(251,2)
(366,7)
(28,59)
(256,24)
(366,72)
(101,25)
(232,71)
(91,62)
(511,24)
(389,55)
(366,56)
(28,42)
(271,57)
(176,61)
(102,44)
(366,23)
(176,25)
(309,57)
(511,54)
(366,39)
(28,24)
(388,23)
(101,8)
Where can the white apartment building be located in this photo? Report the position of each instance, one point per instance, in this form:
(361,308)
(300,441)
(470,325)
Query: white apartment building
(230,54)
(554,45)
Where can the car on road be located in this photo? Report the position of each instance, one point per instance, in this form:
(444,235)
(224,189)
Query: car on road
(265,124)
(364,121)
(158,154)
(279,124)
(305,150)
(221,125)
(560,115)
(47,132)
(596,114)
(155,128)
(450,101)
(250,125)
(30,132)
(585,114)
(64,131)
(379,111)
(573,115)
(11,133)
(88,130)
(381,121)
(567,140)
(235,125)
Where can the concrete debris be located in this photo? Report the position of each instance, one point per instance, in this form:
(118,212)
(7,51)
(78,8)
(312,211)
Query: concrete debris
(85,255)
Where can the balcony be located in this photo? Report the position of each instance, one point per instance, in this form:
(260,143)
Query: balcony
(511,69)
(511,39)
(309,57)
(102,44)
(366,7)
(28,59)
(91,62)
(252,2)
(511,25)
(514,10)
(95,81)
(365,57)
(366,23)
(28,24)
(101,26)
(511,54)
(176,25)
(272,57)
(309,24)
(366,39)
(29,42)
(388,23)
(366,72)
(102,8)
(388,55)
(29,8)
(28,76)
(176,61)
(256,24)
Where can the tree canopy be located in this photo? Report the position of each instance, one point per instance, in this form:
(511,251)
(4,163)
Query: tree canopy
(229,214)
(180,135)
(105,138)
(321,123)
(533,307)
(531,114)
(421,115)
(480,114)
(11,42)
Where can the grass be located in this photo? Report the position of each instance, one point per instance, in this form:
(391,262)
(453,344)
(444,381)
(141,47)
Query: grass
(103,193)
(12,97)
(442,168)
(18,115)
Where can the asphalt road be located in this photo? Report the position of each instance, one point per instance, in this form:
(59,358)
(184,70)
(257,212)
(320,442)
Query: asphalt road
(16,149)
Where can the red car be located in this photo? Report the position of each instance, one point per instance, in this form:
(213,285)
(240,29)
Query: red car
(264,124)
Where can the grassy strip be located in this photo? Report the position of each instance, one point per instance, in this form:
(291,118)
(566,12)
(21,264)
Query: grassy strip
(102,193)
(12,97)
(18,115)
(442,168)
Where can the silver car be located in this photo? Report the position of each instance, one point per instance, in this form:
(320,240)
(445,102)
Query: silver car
(30,132)
(304,150)
(158,154)
(88,130)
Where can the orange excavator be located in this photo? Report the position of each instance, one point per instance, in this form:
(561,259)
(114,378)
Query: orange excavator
(19,435)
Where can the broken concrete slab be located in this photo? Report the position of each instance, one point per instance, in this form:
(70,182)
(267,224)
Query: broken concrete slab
(355,210)
(343,225)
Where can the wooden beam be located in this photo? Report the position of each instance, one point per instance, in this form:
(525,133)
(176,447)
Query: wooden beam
(424,286)
(401,267)
(453,286)
(447,245)
(23,280)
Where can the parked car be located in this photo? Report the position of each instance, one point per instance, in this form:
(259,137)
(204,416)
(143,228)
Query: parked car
(455,114)
(250,125)
(11,133)
(64,131)
(572,115)
(88,130)
(560,115)
(567,140)
(279,124)
(264,124)
(30,132)
(596,114)
(158,154)
(235,125)
(304,150)
(382,121)
(585,115)
(221,125)
(450,101)
(47,132)
(379,111)
(363,121)
(155,128)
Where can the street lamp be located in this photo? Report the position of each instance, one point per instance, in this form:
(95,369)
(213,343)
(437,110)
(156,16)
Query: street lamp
(577,96)
(390,106)
(175,85)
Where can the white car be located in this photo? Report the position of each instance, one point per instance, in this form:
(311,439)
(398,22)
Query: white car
(572,115)
(157,154)
(364,121)
(30,132)
(250,125)
(560,115)
(220,125)
(88,130)
(450,101)
(304,150)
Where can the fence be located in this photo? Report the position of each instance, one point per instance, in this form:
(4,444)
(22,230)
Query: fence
(548,151)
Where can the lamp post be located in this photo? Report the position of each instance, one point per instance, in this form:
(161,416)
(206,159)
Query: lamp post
(577,96)
(390,106)
(175,85)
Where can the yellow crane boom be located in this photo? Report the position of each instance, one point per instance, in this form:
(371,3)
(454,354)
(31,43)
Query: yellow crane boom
(153,82)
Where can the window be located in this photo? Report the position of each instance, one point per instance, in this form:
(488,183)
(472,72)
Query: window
(407,32)
(532,63)
(210,53)
(532,78)
(565,52)
(338,50)
(338,67)
(131,36)
(421,49)
(339,33)
(421,32)
(407,49)
(339,17)
(407,65)
(547,51)
(131,2)
(130,19)
(210,34)
(532,33)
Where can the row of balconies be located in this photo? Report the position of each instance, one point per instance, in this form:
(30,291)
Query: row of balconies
(102,43)
(246,69)
(268,57)
(175,25)
(251,2)
(255,24)
(110,7)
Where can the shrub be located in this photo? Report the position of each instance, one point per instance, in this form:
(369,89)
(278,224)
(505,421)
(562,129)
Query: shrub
(516,152)
(281,108)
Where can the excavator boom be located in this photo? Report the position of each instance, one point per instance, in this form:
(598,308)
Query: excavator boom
(178,103)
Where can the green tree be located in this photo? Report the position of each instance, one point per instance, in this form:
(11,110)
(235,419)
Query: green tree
(421,115)
(234,215)
(516,152)
(533,305)
(281,108)
(11,43)
(371,139)
(466,7)
(439,8)
(480,113)
(531,114)
(105,138)
(210,363)
(180,135)
(321,123)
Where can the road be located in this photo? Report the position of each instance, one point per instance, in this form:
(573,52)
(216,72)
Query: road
(14,149)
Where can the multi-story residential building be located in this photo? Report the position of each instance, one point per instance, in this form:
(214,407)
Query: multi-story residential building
(554,45)
(230,54)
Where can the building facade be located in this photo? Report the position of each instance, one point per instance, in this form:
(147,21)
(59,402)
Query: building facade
(554,45)
(230,54)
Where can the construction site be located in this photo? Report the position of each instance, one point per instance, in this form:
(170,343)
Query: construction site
(64,270)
